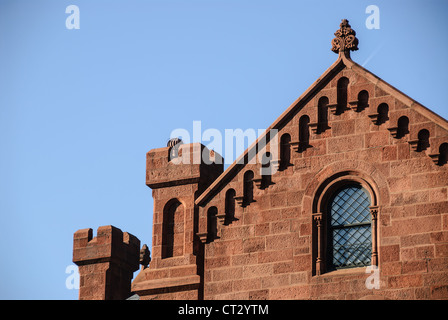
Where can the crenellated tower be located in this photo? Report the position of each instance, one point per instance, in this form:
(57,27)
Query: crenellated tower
(177,174)
(106,263)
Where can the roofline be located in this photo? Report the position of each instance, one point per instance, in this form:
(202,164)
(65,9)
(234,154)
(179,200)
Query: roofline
(275,125)
(343,60)
(413,104)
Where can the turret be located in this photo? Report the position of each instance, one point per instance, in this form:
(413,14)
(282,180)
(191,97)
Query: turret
(178,174)
(106,263)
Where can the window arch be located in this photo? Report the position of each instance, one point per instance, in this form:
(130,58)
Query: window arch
(443,154)
(266,170)
(345,211)
(383,113)
(173,229)
(423,140)
(304,132)
(212,224)
(342,94)
(349,228)
(402,127)
(229,206)
(248,188)
(322,114)
(285,151)
(363,100)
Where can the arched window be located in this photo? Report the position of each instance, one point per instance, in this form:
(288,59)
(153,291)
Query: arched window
(304,132)
(345,216)
(423,140)
(229,207)
(443,154)
(363,100)
(383,113)
(322,114)
(266,171)
(248,188)
(349,228)
(212,224)
(402,127)
(173,229)
(285,151)
(342,94)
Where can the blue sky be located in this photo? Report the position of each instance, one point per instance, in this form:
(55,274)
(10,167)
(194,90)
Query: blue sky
(79,109)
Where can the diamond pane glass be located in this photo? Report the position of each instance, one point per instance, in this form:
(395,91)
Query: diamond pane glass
(352,247)
(350,206)
(350,228)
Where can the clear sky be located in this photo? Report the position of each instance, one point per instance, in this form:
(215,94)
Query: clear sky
(79,108)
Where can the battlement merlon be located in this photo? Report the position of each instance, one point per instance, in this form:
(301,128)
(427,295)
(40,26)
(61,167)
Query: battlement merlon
(189,163)
(110,245)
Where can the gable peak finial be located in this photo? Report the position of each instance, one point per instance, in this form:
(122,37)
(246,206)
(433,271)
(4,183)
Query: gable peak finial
(345,40)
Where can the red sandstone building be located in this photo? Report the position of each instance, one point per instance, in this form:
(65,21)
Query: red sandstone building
(356,195)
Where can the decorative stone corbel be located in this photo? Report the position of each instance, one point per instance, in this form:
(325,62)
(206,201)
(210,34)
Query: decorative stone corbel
(258,182)
(295,146)
(374,117)
(314,126)
(434,157)
(353,105)
(275,165)
(239,200)
(333,108)
(414,144)
(393,131)
(299,146)
(202,236)
(221,217)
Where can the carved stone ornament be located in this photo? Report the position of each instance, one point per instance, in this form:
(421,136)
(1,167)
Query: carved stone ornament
(317,218)
(374,212)
(145,256)
(345,40)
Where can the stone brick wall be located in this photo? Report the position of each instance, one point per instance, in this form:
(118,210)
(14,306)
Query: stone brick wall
(106,263)
(269,250)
